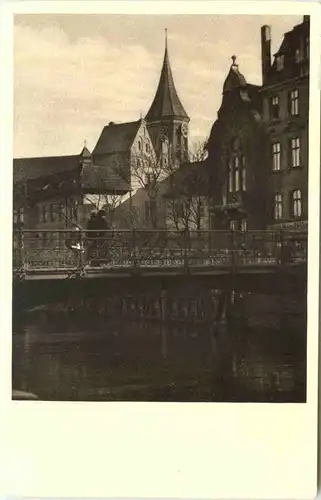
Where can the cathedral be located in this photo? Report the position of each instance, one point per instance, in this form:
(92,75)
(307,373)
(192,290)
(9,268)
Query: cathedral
(53,191)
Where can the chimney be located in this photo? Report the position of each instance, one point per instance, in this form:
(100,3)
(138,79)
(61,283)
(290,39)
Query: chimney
(306,19)
(265,51)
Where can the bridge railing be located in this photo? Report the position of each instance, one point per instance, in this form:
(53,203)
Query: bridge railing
(70,249)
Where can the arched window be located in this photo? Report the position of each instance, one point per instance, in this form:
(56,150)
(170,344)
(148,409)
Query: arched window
(295,152)
(296,203)
(243,174)
(230,177)
(237,173)
(140,144)
(243,224)
(278,206)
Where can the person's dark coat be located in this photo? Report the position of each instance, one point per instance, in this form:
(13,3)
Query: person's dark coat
(101,224)
(91,225)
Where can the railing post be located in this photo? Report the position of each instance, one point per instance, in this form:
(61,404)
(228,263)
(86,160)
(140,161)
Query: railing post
(81,258)
(20,245)
(281,241)
(233,250)
(185,251)
(134,247)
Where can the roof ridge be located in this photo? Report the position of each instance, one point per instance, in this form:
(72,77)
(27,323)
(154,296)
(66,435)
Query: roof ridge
(113,124)
(46,157)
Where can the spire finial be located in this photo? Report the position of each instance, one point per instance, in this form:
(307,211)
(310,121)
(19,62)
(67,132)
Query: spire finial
(85,143)
(141,114)
(165,38)
(233,59)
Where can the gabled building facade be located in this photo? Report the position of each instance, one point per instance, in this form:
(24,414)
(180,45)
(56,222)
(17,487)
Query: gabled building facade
(285,98)
(126,152)
(258,146)
(237,157)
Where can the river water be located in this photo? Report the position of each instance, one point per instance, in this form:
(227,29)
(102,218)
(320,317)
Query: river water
(64,358)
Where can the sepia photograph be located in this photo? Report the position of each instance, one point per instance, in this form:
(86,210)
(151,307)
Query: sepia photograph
(160,221)
(160,208)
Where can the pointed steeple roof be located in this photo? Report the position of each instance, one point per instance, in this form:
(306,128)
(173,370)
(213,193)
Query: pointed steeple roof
(166,102)
(85,153)
(234,79)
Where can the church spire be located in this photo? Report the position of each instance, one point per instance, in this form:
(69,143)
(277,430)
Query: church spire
(166,103)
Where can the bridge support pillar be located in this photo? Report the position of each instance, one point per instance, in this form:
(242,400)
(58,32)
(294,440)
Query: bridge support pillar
(164,323)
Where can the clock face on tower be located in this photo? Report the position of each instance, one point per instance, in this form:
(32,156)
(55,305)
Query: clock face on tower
(184,129)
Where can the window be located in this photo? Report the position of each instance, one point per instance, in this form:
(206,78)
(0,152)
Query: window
(139,144)
(230,177)
(52,212)
(294,102)
(295,152)
(201,208)
(276,157)
(232,225)
(147,147)
(45,213)
(237,174)
(296,203)
(297,56)
(280,62)
(243,174)
(275,107)
(243,224)
(61,211)
(18,215)
(278,206)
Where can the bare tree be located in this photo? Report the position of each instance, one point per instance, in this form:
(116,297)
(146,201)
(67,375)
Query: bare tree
(145,171)
(188,192)
(109,202)
(198,151)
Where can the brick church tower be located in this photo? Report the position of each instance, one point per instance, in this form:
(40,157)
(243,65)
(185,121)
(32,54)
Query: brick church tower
(167,120)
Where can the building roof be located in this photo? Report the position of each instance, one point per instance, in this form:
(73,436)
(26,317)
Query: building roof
(116,138)
(85,153)
(103,178)
(166,102)
(234,79)
(291,43)
(34,168)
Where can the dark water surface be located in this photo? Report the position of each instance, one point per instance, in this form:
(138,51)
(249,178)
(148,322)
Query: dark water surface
(61,358)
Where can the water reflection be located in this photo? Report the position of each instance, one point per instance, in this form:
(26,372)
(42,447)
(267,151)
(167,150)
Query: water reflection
(65,357)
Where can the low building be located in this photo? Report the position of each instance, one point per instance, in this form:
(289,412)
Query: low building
(56,192)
